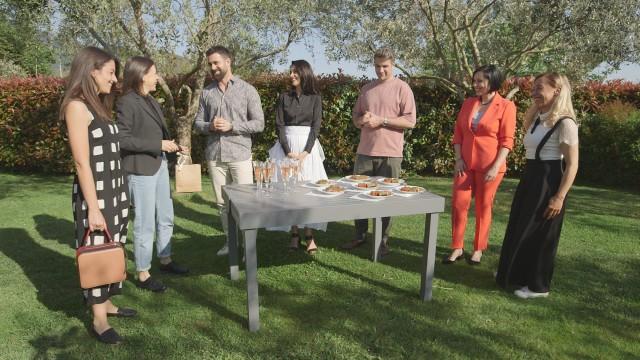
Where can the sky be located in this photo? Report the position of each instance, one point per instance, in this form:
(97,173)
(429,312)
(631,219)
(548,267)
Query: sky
(316,57)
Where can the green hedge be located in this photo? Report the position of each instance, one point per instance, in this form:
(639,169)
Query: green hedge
(32,138)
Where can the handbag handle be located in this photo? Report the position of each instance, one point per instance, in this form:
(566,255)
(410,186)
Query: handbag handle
(87,232)
(183,159)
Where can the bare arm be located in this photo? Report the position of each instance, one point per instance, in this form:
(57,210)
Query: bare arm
(77,119)
(570,153)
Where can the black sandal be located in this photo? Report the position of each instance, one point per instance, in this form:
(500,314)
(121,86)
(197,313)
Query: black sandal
(295,247)
(447,260)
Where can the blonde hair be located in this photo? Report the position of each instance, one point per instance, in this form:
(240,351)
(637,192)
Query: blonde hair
(562,106)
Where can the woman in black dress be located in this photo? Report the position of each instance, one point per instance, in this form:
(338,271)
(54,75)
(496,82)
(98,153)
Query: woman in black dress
(100,200)
(551,144)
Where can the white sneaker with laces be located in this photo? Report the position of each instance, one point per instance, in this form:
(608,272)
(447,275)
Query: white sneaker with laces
(223,251)
(525,293)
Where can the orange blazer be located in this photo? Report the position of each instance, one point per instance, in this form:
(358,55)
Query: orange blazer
(494,131)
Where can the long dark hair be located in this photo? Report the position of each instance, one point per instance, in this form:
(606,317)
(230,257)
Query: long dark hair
(134,70)
(79,85)
(308,81)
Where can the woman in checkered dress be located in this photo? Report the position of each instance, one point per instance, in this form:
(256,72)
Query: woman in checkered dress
(100,200)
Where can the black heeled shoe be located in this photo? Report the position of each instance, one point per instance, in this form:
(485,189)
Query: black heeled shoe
(472,262)
(295,242)
(448,261)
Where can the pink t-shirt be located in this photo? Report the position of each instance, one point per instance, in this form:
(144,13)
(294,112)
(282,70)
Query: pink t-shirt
(392,98)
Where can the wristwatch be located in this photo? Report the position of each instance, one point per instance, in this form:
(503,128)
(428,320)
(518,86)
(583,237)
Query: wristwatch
(385,122)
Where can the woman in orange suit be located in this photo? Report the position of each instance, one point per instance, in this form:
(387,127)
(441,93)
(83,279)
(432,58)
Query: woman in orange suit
(483,137)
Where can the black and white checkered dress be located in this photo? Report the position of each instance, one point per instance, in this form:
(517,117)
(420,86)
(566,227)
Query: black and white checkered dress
(113,198)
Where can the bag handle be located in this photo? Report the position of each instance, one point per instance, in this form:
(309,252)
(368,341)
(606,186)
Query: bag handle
(87,232)
(183,159)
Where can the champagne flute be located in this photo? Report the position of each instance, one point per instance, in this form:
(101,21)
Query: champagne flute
(257,173)
(285,171)
(295,167)
(266,177)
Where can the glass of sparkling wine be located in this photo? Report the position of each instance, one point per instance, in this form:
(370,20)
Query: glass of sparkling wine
(285,171)
(257,173)
(295,171)
(266,177)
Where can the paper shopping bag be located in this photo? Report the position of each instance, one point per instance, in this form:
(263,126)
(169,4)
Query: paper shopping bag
(188,175)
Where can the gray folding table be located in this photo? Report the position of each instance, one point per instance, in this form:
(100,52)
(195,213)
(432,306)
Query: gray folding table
(249,212)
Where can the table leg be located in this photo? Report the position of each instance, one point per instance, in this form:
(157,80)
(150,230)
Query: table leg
(428,255)
(252,279)
(377,238)
(232,229)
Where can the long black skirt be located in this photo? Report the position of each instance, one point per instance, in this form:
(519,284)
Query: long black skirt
(530,242)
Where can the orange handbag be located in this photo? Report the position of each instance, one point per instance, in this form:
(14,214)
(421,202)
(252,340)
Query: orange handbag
(100,265)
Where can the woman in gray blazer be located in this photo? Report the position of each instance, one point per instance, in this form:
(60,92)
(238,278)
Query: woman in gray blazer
(144,145)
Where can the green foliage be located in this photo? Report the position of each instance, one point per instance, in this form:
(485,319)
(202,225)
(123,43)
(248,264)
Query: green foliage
(31,137)
(22,36)
(9,69)
(610,144)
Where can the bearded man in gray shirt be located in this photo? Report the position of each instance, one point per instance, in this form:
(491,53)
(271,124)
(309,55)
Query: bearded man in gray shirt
(229,112)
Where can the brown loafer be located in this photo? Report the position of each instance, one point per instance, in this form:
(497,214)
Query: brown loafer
(352,244)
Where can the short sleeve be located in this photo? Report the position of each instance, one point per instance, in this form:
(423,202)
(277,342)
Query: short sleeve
(568,132)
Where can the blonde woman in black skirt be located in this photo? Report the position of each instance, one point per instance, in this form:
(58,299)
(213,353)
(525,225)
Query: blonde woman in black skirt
(532,235)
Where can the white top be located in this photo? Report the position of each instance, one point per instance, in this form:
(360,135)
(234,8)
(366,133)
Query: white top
(476,119)
(566,133)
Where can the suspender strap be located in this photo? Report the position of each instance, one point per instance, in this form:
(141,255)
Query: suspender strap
(546,137)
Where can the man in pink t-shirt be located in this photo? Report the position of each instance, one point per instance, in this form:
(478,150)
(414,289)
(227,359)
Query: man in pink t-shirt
(385,107)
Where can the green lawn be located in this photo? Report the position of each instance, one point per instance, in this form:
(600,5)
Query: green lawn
(335,305)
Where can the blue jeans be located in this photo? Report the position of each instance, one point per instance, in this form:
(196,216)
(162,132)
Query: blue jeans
(151,198)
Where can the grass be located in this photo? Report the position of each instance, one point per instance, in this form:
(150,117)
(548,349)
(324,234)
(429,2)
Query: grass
(335,305)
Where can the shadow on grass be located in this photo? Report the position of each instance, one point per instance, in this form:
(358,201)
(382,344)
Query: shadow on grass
(52,274)
(57,229)
(11,184)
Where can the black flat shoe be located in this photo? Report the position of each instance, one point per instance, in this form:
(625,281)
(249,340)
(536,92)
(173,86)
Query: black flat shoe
(109,336)
(152,284)
(448,261)
(174,268)
(123,313)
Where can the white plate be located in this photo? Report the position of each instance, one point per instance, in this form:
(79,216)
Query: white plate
(399,183)
(355,187)
(420,190)
(369,194)
(331,182)
(348,178)
(330,192)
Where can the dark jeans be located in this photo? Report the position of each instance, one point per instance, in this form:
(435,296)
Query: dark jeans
(376,166)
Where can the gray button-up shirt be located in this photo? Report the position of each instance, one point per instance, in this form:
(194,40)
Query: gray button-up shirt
(238,104)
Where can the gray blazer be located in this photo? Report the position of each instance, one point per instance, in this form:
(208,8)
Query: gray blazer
(141,128)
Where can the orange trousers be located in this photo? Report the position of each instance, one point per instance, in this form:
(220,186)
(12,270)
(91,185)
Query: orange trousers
(472,183)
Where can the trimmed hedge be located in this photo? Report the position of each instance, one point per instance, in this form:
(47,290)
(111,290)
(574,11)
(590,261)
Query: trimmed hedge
(32,138)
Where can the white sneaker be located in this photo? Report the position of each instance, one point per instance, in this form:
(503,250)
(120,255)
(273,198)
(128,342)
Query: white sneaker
(223,251)
(525,293)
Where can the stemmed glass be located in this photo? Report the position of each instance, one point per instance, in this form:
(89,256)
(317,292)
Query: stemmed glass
(257,173)
(285,171)
(266,177)
(295,171)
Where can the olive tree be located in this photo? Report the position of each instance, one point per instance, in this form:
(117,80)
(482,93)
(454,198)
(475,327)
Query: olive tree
(177,33)
(444,40)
